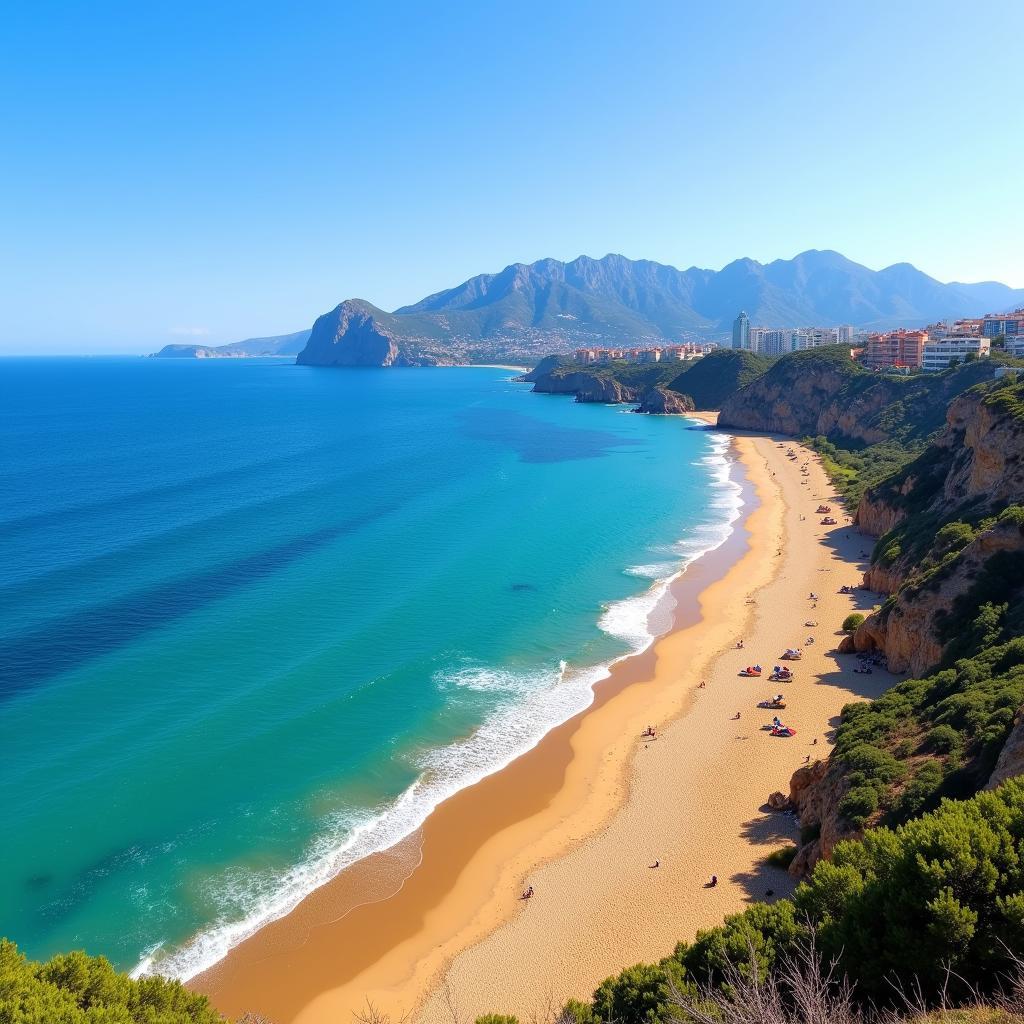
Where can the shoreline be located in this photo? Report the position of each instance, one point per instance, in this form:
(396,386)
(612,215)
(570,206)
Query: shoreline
(539,774)
(440,910)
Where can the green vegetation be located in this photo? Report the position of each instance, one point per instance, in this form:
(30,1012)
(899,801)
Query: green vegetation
(78,989)
(707,381)
(852,621)
(929,738)
(639,376)
(855,471)
(781,858)
(714,378)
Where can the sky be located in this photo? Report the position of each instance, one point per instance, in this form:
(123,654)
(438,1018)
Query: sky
(205,172)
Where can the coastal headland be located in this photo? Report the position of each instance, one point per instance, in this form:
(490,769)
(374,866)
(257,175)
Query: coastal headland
(437,925)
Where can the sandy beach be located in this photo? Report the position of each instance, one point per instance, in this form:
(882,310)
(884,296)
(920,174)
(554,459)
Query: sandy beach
(437,923)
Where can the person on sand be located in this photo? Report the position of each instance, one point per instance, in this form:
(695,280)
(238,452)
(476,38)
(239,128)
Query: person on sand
(656,864)
(713,882)
(528,895)
(737,715)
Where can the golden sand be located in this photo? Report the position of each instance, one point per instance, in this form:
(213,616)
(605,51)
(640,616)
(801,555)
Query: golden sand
(584,815)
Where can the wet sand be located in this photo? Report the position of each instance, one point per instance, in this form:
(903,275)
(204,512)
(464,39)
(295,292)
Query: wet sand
(583,815)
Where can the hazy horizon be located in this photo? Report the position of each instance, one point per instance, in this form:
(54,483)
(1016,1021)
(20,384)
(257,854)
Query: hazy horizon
(186,336)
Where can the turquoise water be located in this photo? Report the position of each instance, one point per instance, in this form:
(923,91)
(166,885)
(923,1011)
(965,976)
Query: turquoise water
(257,619)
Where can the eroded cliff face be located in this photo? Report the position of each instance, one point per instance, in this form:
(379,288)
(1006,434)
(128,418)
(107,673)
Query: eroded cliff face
(909,629)
(814,794)
(356,334)
(823,392)
(557,375)
(585,386)
(662,402)
(989,461)
(786,401)
(975,467)
(1011,758)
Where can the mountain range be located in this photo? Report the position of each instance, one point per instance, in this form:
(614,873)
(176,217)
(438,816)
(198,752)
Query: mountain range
(529,310)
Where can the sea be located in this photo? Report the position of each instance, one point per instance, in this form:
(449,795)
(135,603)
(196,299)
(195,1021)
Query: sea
(257,620)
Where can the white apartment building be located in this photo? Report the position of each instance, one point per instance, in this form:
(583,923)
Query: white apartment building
(940,352)
(776,341)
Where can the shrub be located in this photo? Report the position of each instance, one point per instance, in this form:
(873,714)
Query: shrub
(852,621)
(942,739)
(954,537)
(636,996)
(858,805)
(808,833)
(77,989)
(782,857)
(497,1018)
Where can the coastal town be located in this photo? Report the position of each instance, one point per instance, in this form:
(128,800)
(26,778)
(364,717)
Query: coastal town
(930,349)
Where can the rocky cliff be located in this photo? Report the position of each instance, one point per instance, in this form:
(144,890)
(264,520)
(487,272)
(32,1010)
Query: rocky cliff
(614,383)
(824,392)
(1011,757)
(662,402)
(932,517)
(587,387)
(355,333)
(815,792)
(912,627)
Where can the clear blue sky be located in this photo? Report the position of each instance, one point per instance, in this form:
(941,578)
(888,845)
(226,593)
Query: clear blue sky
(213,171)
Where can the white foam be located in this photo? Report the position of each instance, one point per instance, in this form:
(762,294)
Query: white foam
(532,704)
(654,571)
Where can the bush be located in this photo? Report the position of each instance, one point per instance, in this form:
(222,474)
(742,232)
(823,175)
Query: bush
(942,739)
(858,805)
(781,858)
(77,989)
(808,833)
(497,1018)
(638,995)
(852,621)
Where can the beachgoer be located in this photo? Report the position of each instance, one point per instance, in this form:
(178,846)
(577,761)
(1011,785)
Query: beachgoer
(814,742)
(737,715)
(656,864)
(714,881)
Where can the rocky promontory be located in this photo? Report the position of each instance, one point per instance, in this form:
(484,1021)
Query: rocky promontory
(662,402)
(612,383)
(355,333)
